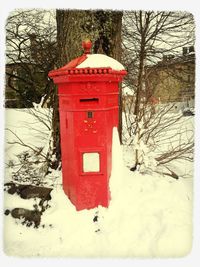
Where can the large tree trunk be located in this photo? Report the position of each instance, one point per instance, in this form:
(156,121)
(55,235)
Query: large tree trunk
(103,28)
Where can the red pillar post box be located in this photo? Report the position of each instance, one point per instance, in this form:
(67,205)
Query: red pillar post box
(88,90)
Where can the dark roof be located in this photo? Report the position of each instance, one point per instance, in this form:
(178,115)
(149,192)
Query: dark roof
(170,60)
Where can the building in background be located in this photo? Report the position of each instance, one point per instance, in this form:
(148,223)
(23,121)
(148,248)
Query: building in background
(173,78)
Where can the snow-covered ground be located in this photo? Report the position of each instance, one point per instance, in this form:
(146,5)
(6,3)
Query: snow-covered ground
(148,216)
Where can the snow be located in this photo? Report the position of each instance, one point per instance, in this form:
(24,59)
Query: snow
(148,216)
(127,91)
(101,61)
(25,124)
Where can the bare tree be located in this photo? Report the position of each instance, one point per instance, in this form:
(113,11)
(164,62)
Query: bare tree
(147,37)
(31,52)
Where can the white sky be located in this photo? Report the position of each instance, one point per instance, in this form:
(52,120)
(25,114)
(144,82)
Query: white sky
(184,5)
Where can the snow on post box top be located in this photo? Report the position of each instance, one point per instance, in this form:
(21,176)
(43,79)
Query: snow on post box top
(89,65)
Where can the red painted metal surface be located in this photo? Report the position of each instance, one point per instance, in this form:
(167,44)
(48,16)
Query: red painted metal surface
(88,108)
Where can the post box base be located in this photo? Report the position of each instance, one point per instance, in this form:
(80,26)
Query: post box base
(89,195)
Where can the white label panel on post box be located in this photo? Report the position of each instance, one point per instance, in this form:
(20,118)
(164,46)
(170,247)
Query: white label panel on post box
(91,162)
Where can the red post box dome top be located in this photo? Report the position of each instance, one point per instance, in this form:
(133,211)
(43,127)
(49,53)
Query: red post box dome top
(90,64)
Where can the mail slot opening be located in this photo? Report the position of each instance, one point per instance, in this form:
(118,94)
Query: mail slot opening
(89,100)
(91,162)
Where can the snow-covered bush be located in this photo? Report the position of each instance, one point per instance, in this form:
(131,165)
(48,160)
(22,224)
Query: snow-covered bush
(31,143)
(158,137)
